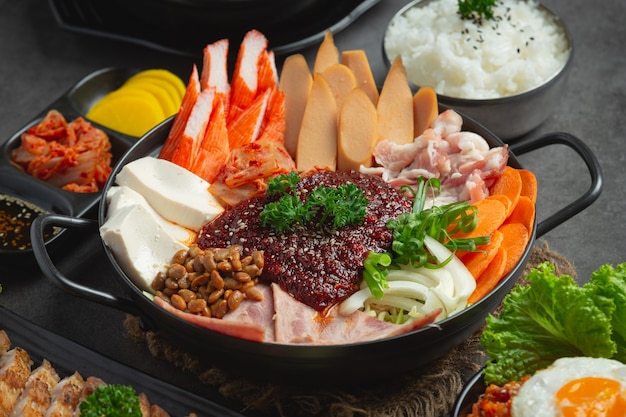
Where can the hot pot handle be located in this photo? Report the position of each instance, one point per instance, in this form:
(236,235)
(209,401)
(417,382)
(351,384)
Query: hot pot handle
(593,165)
(49,269)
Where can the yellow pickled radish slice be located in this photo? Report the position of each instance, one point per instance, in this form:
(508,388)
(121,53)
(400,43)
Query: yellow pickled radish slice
(164,75)
(170,104)
(128,112)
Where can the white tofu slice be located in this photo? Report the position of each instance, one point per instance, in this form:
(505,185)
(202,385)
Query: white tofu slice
(122,196)
(174,192)
(141,246)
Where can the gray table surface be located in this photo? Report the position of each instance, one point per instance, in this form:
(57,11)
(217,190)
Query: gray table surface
(39,61)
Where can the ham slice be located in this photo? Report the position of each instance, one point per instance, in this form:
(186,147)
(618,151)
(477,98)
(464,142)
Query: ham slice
(242,330)
(298,323)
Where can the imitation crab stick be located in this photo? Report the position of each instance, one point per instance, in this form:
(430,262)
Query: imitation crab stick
(273,127)
(215,71)
(246,127)
(295,82)
(267,72)
(245,81)
(395,106)
(214,150)
(170,147)
(194,130)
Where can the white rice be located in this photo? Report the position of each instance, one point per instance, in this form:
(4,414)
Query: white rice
(519,50)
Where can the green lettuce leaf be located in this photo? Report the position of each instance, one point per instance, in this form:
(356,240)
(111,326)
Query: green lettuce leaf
(552,317)
(609,283)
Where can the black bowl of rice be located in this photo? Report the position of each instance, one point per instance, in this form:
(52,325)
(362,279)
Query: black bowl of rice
(508,72)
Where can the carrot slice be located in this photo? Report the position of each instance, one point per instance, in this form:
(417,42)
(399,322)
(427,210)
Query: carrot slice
(180,120)
(490,214)
(504,199)
(529,184)
(327,53)
(508,183)
(215,70)
(214,150)
(245,128)
(515,239)
(245,79)
(523,213)
(477,262)
(491,276)
(425,109)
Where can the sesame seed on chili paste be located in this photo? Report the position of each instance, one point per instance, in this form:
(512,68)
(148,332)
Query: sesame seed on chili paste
(318,267)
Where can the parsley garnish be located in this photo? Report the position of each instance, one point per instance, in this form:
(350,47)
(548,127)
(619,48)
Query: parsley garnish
(335,206)
(476,9)
(112,401)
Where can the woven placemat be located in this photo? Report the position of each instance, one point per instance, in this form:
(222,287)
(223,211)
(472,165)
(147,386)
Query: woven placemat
(429,391)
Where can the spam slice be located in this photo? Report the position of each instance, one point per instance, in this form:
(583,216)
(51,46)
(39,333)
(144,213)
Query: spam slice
(140,244)
(175,193)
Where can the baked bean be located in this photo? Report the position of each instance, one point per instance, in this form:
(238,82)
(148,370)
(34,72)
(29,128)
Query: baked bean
(246,261)
(187,295)
(180,256)
(231,283)
(221,254)
(219,309)
(225,266)
(197,306)
(176,271)
(253,270)
(178,302)
(246,285)
(235,299)
(254,293)
(200,280)
(194,251)
(198,264)
(209,262)
(210,282)
(216,280)
(215,295)
(171,283)
(158,283)
(242,276)
(259,259)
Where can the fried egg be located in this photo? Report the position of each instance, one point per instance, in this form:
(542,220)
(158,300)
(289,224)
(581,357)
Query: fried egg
(574,387)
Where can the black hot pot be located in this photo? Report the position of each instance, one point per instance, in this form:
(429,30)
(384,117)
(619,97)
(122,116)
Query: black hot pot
(315,364)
